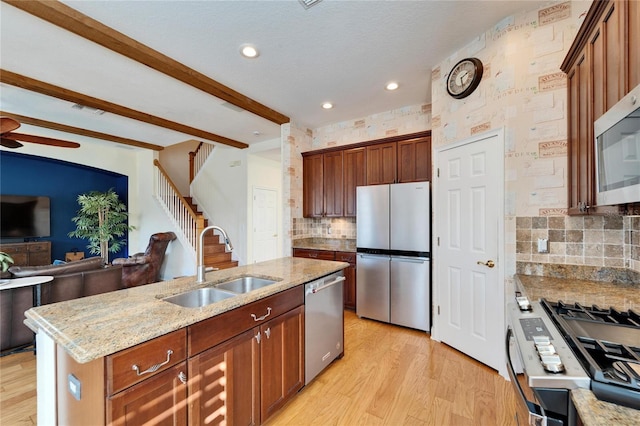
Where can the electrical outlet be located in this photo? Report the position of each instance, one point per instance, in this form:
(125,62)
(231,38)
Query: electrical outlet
(75,387)
(543,245)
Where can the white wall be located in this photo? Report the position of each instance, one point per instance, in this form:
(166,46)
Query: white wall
(175,160)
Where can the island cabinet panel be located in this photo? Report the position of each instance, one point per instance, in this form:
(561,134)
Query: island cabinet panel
(281,360)
(381,163)
(161,399)
(158,355)
(354,175)
(213,331)
(226,379)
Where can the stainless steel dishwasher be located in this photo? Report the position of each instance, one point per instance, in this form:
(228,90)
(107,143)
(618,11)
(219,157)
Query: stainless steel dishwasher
(323,323)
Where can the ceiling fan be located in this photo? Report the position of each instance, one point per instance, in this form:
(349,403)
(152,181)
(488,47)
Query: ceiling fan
(9,139)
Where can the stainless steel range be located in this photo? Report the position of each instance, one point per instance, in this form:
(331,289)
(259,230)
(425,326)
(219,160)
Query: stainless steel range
(553,347)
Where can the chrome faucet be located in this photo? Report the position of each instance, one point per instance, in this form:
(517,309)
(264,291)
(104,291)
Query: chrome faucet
(201,269)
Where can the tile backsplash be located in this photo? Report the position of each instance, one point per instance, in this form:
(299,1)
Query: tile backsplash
(607,241)
(339,227)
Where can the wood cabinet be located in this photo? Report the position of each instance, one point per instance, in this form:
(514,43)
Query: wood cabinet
(238,367)
(350,278)
(331,176)
(354,174)
(601,66)
(29,254)
(349,272)
(312,186)
(414,160)
(381,163)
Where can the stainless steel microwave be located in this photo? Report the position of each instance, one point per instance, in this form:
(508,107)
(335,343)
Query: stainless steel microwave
(617,152)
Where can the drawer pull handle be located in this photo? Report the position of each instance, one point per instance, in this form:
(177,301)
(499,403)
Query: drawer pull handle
(256,319)
(154,367)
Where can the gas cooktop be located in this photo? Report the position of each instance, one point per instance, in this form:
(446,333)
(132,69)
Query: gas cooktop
(607,344)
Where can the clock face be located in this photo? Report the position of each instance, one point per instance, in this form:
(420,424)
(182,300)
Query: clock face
(464,77)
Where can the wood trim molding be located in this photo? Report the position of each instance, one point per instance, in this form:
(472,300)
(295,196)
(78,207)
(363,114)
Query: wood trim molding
(47,89)
(407,137)
(79,131)
(590,21)
(71,20)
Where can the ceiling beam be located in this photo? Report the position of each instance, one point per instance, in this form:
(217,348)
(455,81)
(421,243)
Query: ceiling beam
(71,20)
(79,131)
(47,89)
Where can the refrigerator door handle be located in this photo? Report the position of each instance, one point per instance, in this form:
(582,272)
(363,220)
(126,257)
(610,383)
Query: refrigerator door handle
(373,256)
(410,259)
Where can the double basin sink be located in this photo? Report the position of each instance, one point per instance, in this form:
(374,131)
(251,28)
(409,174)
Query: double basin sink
(208,295)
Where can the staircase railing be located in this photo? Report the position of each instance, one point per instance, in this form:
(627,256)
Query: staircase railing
(197,159)
(189,223)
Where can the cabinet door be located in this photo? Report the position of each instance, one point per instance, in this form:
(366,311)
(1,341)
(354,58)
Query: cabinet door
(381,163)
(332,172)
(224,383)
(159,400)
(632,21)
(414,160)
(354,173)
(281,360)
(350,278)
(312,186)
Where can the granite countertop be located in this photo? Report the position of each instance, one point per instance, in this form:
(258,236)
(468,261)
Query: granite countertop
(329,244)
(592,411)
(93,327)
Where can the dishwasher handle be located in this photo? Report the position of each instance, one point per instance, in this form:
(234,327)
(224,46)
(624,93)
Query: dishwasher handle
(314,290)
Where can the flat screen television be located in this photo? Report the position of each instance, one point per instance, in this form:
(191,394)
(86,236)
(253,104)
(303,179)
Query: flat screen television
(25,216)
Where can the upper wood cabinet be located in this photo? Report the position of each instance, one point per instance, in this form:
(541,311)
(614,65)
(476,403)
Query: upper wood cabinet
(331,176)
(354,174)
(602,66)
(414,160)
(381,163)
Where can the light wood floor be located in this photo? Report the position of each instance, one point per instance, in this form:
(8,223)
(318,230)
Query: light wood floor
(389,376)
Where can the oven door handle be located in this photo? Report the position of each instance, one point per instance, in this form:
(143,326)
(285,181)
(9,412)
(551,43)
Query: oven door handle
(537,416)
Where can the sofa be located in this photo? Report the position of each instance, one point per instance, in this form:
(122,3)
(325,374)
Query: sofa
(71,280)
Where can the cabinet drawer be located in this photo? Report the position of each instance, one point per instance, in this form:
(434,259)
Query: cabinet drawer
(39,258)
(11,250)
(36,247)
(120,366)
(213,331)
(342,256)
(314,254)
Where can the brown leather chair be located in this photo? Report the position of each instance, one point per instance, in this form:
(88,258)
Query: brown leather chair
(144,268)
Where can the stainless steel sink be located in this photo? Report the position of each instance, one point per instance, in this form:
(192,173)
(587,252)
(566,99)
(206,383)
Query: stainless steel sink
(245,284)
(199,298)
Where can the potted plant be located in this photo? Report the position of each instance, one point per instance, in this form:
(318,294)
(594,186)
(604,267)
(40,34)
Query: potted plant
(5,261)
(102,219)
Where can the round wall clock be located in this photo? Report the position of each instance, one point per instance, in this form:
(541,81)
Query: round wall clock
(464,77)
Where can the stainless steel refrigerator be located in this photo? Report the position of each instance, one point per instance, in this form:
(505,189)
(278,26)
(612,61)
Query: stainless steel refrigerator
(393,254)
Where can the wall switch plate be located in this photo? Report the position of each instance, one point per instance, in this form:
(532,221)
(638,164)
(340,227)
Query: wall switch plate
(75,386)
(543,245)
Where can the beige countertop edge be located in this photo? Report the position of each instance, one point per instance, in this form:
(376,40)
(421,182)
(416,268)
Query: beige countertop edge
(592,411)
(96,326)
(326,244)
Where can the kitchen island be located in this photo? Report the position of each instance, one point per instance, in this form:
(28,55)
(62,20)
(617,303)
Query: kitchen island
(592,411)
(96,336)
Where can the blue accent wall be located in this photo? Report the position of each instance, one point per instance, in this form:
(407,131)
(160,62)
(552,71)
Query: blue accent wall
(62,181)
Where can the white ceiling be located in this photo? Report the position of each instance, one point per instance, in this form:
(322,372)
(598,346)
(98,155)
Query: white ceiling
(338,51)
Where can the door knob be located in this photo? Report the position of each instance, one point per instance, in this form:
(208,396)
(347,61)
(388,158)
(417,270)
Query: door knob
(489,263)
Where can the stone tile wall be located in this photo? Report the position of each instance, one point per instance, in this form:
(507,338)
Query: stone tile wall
(344,228)
(605,241)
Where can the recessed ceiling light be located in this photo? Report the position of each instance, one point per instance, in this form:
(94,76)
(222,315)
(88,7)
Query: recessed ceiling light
(249,51)
(392,86)
(327,105)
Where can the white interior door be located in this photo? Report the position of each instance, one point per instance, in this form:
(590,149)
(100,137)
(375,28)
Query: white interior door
(468,203)
(265,224)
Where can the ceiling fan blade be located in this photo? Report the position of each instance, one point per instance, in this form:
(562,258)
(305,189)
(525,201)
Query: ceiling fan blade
(8,124)
(10,143)
(42,140)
